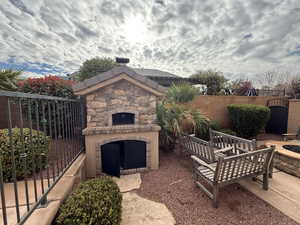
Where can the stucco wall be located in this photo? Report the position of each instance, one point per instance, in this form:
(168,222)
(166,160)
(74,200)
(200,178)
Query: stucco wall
(294,115)
(121,96)
(215,107)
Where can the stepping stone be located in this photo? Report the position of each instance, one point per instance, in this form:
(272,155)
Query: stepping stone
(137,210)
(129,182)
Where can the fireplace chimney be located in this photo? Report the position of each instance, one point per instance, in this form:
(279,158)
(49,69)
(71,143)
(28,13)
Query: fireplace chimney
(122,61)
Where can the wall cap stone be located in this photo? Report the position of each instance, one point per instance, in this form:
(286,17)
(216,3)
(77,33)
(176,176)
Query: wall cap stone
(120,129)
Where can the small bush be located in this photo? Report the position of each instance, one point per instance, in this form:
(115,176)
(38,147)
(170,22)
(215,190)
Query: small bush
(181,93)
(36,151)
(96,201)
(247,119)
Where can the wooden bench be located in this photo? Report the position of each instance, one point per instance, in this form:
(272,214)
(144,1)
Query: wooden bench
(231,169)
(221,140)
(202,149)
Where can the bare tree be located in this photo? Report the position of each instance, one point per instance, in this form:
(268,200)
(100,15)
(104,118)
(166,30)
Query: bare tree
(276,79)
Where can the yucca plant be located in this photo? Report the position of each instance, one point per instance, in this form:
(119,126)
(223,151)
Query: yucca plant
(181,93)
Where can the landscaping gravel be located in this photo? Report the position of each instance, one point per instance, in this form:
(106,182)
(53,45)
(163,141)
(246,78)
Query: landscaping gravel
(172,185)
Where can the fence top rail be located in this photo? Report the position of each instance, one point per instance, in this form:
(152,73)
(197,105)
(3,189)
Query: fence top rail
(232,137)
(33,96)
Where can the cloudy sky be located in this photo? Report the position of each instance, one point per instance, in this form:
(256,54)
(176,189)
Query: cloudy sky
(238,37)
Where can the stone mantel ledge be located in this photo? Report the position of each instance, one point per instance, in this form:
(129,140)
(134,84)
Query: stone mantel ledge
(120,129)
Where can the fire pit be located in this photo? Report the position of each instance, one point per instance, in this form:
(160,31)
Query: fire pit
(287,157)
(293,148)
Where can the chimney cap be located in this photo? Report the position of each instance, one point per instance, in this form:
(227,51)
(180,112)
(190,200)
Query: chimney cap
(122,60)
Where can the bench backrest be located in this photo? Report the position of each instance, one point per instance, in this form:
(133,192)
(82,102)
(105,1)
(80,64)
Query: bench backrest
(198,147)
(222,140)
(235,167)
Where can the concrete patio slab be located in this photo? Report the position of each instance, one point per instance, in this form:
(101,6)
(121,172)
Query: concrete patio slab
(137,210)
(283,193)
(128,182)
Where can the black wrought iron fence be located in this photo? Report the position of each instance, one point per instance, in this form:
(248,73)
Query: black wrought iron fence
(41,140)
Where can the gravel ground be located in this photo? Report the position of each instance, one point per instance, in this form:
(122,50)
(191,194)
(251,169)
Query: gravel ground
(172,185)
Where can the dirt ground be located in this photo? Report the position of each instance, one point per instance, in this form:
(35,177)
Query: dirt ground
(172,185)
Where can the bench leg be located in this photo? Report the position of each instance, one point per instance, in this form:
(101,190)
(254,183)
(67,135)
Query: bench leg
(271,169)
(215,196)
(266,181)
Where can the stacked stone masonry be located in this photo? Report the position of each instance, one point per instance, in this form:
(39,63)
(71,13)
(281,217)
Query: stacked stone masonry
(121,96)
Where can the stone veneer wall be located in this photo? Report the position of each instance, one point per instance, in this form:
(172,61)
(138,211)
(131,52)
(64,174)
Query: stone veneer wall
(121,96)
(287,164)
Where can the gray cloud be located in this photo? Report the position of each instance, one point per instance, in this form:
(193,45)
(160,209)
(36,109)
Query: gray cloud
(234,36)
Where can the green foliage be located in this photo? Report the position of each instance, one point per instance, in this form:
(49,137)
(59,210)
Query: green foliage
(247,119)
(48,85)
(214,81)
(35,146)
(181,93)
(8,80)
(228,131)
(94,202)
(94,66)
(175,119)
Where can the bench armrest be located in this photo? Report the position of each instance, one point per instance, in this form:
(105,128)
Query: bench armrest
(224,150)
(201,163)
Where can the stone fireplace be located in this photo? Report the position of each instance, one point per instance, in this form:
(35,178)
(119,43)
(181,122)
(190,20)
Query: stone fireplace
(121,134)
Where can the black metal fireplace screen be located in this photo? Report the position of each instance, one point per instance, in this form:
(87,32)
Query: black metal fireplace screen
(122,118)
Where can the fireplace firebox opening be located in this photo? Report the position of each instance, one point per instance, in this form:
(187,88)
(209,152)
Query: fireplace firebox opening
(123,155)
(122,118)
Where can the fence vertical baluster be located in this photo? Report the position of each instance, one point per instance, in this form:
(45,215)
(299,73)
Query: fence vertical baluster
(56,136)
(45,136)
(40,164)
(72,129)
(24,155)
(50,135)
(14,175)
(32,149)
(67,133)
(63,136)
(3,203)
(59,135)
(75,128)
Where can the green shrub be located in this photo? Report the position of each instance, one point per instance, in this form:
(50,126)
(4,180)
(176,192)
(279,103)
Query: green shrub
(181,93)
(96,201)
(228,131)
(247,119)
(175,119)
(36,151)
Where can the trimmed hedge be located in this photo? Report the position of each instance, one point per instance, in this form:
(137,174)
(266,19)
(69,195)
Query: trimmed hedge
(97,201)
(36,151)
(248,119)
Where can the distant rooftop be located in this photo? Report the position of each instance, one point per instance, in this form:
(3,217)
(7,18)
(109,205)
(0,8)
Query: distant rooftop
(154,73)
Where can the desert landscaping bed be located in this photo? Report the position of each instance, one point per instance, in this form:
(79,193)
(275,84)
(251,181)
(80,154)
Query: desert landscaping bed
(172,185)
